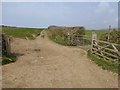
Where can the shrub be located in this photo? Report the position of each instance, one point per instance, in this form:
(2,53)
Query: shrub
(114,36)
(8,58)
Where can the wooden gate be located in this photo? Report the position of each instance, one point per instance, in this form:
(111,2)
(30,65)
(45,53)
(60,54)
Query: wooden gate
(105,50)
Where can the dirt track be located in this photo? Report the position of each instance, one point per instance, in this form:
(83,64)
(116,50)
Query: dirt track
(44,64)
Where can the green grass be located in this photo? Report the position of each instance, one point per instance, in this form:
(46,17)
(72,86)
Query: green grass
(98,32)
(21,32)
(58,40)
(8,58)
(106,65)
(58,37)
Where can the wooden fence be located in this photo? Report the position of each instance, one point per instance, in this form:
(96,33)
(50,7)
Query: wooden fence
(79,40)
(6,44)
(105,50)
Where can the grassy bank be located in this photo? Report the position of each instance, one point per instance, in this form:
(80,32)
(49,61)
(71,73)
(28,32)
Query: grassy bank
(104,64)
(21,32)
(59,40)
(58,37)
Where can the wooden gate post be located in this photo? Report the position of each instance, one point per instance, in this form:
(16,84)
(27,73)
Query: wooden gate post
(94,38)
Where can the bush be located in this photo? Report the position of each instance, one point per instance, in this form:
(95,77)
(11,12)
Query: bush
(81,31)
(114,36)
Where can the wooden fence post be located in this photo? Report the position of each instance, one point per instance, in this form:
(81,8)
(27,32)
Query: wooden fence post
(8,46)
(109,33)
(94,38)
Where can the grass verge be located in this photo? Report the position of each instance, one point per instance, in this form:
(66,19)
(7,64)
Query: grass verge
(104,64)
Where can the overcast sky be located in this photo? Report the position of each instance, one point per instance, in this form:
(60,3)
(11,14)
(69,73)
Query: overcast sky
(91,15)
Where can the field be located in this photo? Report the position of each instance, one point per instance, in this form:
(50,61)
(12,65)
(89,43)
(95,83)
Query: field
(21,32)
(98,32)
